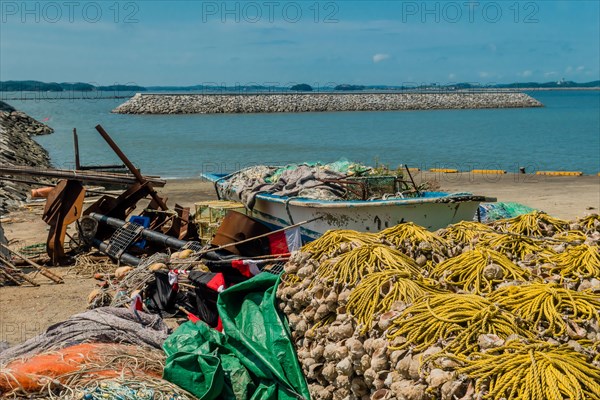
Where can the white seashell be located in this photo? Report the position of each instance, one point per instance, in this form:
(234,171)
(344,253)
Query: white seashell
(317,351)
(493,272)
(370,375)
(488,341)
(381,394)
(358,387)
(386,319)
(379,360)
(344,367)
(329,372)
(438,377)
(342,382)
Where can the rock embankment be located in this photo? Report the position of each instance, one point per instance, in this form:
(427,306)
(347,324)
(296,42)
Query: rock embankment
(18,148)
(318,102)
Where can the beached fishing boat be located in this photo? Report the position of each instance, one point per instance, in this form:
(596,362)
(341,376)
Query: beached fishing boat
(432,210)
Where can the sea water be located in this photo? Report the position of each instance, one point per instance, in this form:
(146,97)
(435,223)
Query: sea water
(563,135)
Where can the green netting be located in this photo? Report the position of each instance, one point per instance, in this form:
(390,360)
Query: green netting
(494,211)
(254,358)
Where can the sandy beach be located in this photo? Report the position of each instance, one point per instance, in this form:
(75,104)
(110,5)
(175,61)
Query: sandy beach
(25,311)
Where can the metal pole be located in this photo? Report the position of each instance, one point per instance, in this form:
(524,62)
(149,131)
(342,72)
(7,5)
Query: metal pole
(76,146)
(412,180)
(130,166)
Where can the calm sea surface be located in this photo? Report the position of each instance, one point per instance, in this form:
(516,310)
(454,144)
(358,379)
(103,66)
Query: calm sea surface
(565,134)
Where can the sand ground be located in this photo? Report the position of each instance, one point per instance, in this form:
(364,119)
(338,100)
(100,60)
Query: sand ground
(26,311)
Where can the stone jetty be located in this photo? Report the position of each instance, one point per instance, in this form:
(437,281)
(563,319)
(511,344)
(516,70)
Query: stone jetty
(18,148)
(319,102)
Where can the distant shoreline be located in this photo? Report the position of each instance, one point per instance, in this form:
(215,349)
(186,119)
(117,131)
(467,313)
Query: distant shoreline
(68,95)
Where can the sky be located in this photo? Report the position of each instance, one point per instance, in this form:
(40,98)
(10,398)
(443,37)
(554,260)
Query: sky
(279,43)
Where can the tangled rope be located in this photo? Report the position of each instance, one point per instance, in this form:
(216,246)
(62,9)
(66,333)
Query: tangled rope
(377,292)
(478,270)
(511,245)
(547,305)
(535,223)
(414,235)
(590,222)
(351,267)
(333,240)
(533,371)
(455,320)
(577,262)
(464,232)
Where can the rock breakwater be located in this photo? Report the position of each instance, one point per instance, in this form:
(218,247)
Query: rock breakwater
(18,148)
(318,102)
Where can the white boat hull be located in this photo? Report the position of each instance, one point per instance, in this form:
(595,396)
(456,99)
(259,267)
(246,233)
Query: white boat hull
(362,216)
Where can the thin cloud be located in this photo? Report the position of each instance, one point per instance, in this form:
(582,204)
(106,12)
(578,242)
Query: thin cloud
(379,57)
(525,74)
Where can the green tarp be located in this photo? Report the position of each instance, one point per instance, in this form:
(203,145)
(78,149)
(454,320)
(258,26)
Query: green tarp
(254,358)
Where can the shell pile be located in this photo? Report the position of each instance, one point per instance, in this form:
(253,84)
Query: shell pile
(405,314)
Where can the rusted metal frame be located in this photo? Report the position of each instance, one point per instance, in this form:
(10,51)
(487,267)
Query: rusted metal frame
(63,206)
(130,166)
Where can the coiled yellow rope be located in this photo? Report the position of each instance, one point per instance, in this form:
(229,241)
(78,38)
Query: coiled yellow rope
(589,222)
(537,371)
(331,241)
(464,232)
(456,319)
(351,267)
(412,234)
(577,262)
(377,292)
(546,305)
(478,270)
(531,224)
(518,246)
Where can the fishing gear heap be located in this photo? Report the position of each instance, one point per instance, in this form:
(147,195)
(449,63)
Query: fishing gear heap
(507,310)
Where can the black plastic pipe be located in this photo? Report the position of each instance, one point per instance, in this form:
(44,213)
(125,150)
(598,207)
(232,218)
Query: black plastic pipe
(155,237)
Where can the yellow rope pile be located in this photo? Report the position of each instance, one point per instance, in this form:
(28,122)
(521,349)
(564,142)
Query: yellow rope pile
(547,305)
(464,232)
(457,319)
(577,262)
(535,223)
(478,270)
(590,222)
(512,245)
(351,267)
(533,371)
(371,312)
(409,233)
(377,292)
(332,240)
(570,237)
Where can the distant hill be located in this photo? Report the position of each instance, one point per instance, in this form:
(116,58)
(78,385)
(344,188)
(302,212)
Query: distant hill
(37,86)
